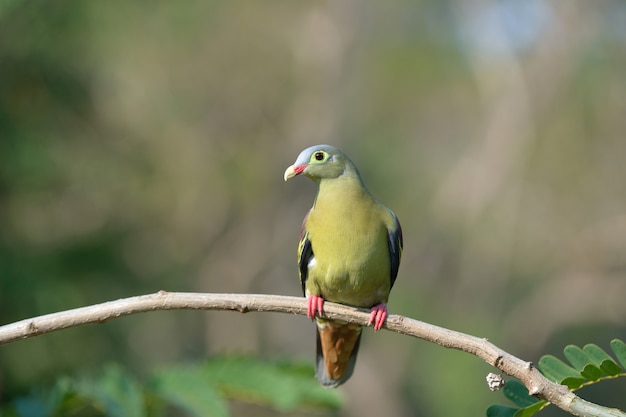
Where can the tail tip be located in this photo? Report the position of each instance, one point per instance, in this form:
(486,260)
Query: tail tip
(328,382)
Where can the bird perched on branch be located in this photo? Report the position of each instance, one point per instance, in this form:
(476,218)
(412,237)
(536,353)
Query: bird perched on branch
(349,253)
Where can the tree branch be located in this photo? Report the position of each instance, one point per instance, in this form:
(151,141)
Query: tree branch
(536,383)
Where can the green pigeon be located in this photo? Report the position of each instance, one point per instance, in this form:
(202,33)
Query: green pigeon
(349,253)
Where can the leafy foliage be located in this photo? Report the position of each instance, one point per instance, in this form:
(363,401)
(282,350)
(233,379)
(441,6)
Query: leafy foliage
(198,390)
(588,365)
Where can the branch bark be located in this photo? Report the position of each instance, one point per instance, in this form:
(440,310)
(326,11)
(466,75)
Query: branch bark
(536,383)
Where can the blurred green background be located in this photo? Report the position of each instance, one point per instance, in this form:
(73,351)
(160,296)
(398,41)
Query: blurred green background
(142,146)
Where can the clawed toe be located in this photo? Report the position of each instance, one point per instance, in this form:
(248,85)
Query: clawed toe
(378,316)
(315,306)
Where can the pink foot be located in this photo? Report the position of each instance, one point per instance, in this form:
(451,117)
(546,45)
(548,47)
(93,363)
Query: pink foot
(315,305)
(378,316)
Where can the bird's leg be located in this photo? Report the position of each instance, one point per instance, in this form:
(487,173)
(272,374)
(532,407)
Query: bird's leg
(378,316)
(315,305)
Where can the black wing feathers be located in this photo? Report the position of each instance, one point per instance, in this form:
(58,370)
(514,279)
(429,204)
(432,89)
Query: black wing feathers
(395,250)
(306,254)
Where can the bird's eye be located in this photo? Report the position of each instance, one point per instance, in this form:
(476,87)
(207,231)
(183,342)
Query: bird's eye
(319,156)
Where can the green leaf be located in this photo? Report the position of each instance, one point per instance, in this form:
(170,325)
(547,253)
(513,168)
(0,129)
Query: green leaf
(559,372)
(579,359)
(602,359)
(190,389)
(282,385)
(619,348)
(115,391)
(41,402)
(591,360)
(31,406)
(532,409)
(501,411)
(518,393)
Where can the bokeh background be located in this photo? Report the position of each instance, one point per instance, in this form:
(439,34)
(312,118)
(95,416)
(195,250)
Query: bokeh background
(142,146)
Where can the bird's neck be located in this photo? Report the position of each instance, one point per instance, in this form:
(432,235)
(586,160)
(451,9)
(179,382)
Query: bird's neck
(340,189)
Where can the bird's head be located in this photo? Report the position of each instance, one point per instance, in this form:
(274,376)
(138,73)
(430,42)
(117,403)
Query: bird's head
(321,162)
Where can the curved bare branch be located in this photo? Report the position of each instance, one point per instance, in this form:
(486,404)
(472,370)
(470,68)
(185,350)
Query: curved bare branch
(536,383)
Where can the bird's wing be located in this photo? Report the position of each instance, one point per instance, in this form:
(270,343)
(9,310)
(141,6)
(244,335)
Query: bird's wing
(395,242)
(305,255)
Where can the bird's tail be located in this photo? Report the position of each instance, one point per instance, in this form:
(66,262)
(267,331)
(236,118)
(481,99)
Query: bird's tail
(337,347)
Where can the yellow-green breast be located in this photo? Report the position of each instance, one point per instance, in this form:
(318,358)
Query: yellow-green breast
(348,231)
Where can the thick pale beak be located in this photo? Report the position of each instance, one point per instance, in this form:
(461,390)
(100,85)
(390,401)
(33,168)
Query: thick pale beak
(290,172)
(293,170)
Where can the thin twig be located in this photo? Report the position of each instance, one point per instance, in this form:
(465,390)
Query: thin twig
(536,383)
